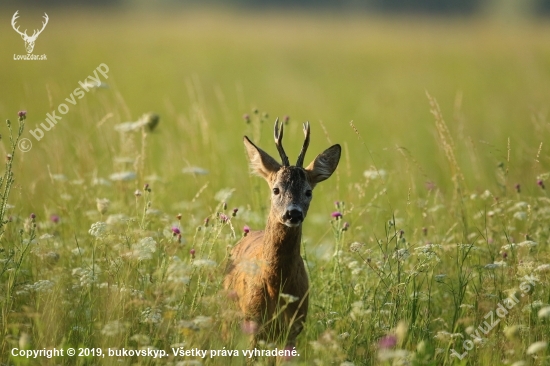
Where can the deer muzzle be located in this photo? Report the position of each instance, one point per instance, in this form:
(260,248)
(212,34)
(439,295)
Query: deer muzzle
(293,216)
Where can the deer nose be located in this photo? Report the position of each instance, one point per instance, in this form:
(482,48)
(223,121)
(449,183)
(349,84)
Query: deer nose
(294,216)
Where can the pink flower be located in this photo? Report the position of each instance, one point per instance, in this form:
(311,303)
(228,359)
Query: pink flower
(388,341)
(336,215)
(176,231)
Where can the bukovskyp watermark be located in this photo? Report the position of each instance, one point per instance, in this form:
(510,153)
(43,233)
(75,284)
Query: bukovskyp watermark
(501,311)
(52,118)
(29,40)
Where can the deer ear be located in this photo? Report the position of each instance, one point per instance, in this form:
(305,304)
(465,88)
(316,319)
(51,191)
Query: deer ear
(324,164)
(261,163)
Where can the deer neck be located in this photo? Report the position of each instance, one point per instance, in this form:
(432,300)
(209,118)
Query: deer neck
(281,246)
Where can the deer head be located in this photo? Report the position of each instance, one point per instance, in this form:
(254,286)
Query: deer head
(29,40)
(291,186)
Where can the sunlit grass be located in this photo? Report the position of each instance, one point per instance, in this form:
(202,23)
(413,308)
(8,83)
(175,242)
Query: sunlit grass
(443,214)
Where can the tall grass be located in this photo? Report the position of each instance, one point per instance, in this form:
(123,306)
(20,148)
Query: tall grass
(429,223)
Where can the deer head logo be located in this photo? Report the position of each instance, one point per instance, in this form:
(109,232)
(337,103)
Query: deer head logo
(29,40)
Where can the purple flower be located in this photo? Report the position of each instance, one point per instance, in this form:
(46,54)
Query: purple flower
(22,114)
(388,341)
(54,219)
(235,210)
(223,218)
(192,252)
(176,231)
(504,255)
(246,229)
(33,216)
(337,215)
(540,182)
(345,227)
(249,327)
(518,188)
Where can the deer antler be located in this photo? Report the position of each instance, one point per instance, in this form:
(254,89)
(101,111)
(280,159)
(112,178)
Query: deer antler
(35,34)
(302,155)
(279,144)
(13,19)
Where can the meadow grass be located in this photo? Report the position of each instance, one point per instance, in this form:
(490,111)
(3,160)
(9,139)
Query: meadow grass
(444,208)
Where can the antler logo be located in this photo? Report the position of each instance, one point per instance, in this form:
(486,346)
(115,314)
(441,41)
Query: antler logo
(29,40)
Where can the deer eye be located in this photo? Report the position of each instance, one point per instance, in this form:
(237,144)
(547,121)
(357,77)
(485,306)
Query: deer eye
(276,191)
(308,193)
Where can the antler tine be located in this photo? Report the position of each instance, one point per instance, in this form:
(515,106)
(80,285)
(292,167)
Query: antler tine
(46,18)
(279,142)
(302,155)
(13,21)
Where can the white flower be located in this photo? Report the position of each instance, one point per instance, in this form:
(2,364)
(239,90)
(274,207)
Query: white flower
(536,347)
(401,254)
(543,268)
(527,243)
(289,298)
(499,264)
(486,194)
(98,229)
(375,173)
(356,246)
(116,218)
(544,312)
(41,286)
(87,276)
(520,215)
(113,328)
(204,263)
(143,249)
(122,176)
(194,170)
(151,315)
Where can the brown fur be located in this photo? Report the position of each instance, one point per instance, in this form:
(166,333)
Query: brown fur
(266,264)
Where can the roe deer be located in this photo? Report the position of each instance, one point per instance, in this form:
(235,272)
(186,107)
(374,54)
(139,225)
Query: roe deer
(266,264)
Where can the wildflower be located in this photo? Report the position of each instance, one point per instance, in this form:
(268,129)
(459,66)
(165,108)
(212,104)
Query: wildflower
(98,229)
(192,252)
(176,231)
(22,115)
(544,312)
(102,205)
(246,117)
(122,176)
(540,182)
(495,265)
(113,328)
(194,170)
(143,249)
(178,216)
(345,227)
(388,341)
(246,230)
(543,268)
(511,332)
(33,216)
(54,219)
(223,218)
(536,347)
(137,193)
(206,222)
(235,210)
(289,298)
(356,246)
(518,188)
(337,215)
(146,187)
(504,255)
(249,327)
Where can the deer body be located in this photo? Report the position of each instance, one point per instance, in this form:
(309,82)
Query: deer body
(266,264)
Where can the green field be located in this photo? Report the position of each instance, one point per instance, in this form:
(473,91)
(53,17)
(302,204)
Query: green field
(443,182)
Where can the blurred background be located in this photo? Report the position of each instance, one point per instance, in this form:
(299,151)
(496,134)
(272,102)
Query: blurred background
(204,65)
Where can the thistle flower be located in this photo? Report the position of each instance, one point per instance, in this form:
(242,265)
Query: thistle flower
(388,341)
(22,115)
(235,210)
(54,219)
(540,182)
(345,227)
(223,218)
(178,216)
(518,188)
(246,230)
(137,193)
(192,252)
(337,215)
(176,231)
(33,216)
